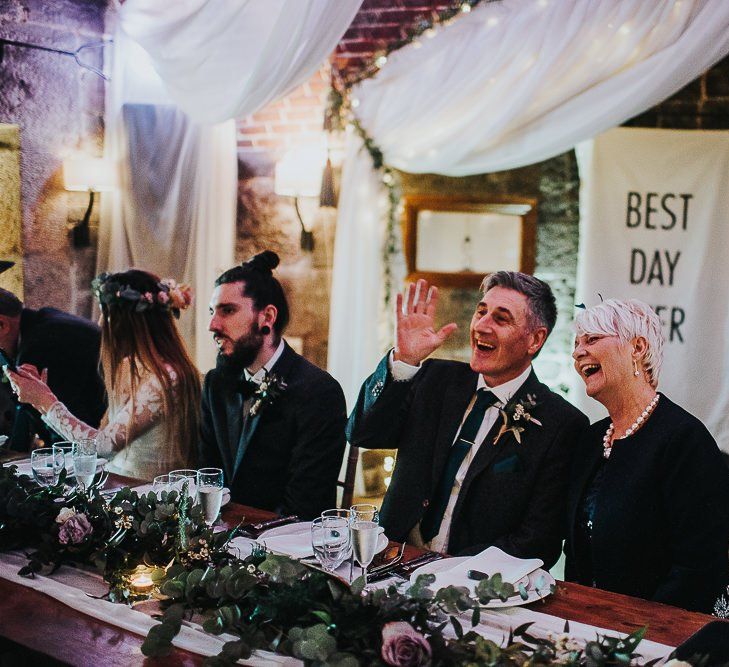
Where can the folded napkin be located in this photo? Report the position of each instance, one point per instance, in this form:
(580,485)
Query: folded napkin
(294,542)
(490,561)
(25,469)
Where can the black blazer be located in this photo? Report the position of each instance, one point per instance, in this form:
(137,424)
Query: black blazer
(661,524)
(68,346)
(295,445)
(513,495)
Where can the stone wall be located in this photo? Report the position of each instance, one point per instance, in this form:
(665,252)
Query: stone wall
(59,108)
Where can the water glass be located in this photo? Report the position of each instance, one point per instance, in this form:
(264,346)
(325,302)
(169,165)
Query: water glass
(161,483)
(84,462)
(68,448)
(46,464)
(177,480)
(210,492)
(330,539)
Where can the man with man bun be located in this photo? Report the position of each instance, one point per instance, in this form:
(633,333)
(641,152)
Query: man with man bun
(273,421)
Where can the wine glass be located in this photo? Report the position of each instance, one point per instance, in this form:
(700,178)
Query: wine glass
(84,462)
(46,464)
(365,535)
(330,539)
(364,512)
(69,449)
(210,492)
(160,484)
(178,477)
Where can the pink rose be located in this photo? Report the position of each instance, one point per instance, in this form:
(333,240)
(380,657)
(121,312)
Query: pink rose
(75,529)
(403,646)
(163,297)
(148,297)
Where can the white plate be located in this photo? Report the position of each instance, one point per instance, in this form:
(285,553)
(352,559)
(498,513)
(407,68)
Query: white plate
(305,527)
(530,581)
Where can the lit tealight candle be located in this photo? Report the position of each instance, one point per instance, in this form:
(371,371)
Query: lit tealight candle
(142,582)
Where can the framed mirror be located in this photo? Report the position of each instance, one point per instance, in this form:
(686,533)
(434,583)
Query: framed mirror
(454,241)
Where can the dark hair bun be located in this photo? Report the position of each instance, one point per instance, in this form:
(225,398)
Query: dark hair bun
(265,261)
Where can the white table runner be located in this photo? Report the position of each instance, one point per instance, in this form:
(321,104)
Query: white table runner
(71,586)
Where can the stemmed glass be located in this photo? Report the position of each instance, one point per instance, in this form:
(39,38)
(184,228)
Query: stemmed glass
(69,449)
(330,539)
(210,492)
(46,464)
(177,480)
(365,535)
(160,484)
(84,462)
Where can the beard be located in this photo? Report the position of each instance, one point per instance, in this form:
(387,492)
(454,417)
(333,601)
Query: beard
(245,351)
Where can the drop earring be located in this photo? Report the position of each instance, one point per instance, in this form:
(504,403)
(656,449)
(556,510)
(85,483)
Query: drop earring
(635,366)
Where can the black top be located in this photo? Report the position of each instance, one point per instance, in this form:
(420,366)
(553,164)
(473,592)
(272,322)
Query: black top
(68,346)
(660,524)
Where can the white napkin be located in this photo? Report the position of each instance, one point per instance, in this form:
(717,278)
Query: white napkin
(296,545)
(25,469)
(490,561)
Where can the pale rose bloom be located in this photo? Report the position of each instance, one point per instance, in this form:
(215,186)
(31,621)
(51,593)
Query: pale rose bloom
(163,297)
(65,514)
(75,529)
(403,646)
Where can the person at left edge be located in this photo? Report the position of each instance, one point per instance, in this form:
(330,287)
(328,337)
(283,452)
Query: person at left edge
(64,344)
(271,420)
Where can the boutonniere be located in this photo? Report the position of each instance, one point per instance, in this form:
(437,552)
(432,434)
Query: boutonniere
(271,387)
(516,415)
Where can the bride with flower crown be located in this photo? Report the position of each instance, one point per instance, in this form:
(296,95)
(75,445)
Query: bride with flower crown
(152,384)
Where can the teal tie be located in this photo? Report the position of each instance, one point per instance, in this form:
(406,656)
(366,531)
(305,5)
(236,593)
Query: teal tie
(430,524)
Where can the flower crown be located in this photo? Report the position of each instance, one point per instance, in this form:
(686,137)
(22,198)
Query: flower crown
(169,295)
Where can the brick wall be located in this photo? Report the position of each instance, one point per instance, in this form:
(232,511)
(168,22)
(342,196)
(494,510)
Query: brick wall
(59,108)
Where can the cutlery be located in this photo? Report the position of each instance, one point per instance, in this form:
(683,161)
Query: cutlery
(403,570)
(251,528)
(389,565)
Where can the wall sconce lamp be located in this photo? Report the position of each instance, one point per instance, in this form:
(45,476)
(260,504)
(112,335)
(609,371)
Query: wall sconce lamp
(306,172)
(92,175)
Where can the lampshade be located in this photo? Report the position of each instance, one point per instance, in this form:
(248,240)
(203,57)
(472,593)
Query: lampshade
(298,173)
(87,173)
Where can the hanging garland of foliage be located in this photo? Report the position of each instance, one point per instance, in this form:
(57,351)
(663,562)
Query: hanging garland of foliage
(340,113)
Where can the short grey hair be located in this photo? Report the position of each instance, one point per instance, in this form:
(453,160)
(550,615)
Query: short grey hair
(627,319)
(541,302)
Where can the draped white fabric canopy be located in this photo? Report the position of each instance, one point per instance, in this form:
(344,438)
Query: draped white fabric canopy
(509,84)
(181,72)
(222,59)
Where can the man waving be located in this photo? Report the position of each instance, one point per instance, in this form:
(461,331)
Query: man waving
(483,448)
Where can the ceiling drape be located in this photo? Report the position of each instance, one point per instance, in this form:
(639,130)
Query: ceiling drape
(508,84)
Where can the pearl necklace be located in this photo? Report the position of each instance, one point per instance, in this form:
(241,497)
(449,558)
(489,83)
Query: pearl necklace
(607,443)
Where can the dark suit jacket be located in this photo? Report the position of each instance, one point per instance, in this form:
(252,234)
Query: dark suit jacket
(294,451)
(68,346)
(513,494)
(661,523)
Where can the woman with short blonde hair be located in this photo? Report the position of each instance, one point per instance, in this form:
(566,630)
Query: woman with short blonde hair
(649,496)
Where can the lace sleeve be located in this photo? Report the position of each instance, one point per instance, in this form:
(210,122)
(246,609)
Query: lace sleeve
(122,427)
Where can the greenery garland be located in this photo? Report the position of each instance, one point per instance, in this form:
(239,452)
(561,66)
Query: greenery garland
(340,113)
(267,602)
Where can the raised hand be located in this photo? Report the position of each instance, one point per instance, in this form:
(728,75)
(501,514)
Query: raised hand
(415,334)
(31,386)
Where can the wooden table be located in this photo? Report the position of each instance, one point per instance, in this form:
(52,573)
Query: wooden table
(43,624)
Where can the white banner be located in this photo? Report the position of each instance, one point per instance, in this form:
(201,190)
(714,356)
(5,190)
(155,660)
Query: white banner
(654,225)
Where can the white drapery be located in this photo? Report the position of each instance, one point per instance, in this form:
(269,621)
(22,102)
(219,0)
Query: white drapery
(224,59)
(174,211)
(507,85)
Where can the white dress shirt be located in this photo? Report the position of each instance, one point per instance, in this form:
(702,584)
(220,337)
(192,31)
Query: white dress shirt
(402,372)
(258,376)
